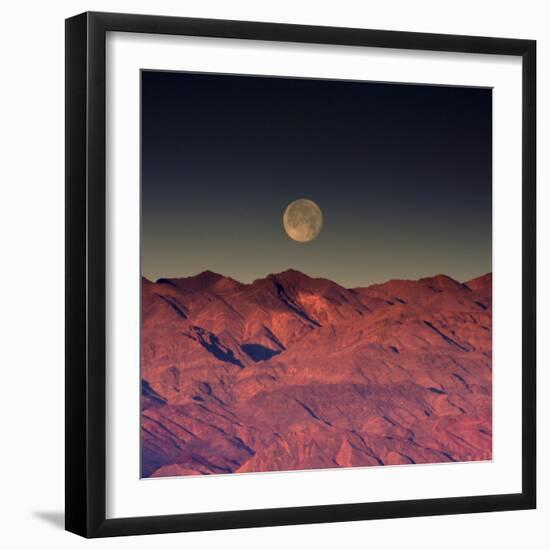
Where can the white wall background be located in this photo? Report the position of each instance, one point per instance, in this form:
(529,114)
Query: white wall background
(31,271)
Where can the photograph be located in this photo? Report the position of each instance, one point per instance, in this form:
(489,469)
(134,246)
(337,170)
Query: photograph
(274,275)
(316,274)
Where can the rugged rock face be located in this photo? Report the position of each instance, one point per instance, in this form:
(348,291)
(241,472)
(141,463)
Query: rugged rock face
(292,372)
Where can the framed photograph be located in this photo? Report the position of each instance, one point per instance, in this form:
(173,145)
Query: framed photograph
(300,274)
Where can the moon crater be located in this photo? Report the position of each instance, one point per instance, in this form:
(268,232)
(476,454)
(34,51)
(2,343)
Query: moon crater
(303,220)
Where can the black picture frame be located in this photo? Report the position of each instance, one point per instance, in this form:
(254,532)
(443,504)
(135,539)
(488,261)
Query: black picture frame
(86,284)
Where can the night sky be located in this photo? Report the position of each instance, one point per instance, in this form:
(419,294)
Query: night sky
(401,172)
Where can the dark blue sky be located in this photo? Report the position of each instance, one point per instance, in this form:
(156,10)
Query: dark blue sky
(402,174)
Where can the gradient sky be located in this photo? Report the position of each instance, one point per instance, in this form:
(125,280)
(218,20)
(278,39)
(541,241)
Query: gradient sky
(402,174)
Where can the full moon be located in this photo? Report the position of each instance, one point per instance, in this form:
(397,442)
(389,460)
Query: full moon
(303,220)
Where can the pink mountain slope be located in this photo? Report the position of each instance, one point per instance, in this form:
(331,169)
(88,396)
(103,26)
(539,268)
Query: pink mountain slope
(292,372)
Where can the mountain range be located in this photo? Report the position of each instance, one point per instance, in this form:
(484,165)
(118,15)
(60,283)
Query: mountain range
(292,372)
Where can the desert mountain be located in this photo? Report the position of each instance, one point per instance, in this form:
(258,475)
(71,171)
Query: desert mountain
(293,372)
